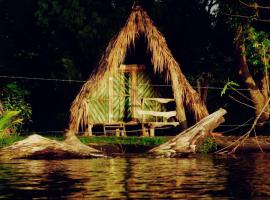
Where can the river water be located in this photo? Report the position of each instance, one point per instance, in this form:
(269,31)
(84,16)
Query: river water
(133,177)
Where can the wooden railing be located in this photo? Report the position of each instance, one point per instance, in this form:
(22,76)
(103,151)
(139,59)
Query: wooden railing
(152,125)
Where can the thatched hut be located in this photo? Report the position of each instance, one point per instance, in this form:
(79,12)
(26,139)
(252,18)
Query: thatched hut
(119,94)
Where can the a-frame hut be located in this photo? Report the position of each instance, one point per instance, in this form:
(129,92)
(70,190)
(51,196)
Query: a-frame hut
(119,94)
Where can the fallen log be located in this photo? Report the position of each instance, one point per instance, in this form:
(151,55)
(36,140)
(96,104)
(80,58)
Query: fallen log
(38,147)
(189,140)
(251,144)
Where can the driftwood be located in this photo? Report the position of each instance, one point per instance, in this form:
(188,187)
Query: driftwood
(251,144)
(38,147)
(189,140)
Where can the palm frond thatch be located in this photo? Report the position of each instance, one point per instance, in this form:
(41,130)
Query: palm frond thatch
(138,24)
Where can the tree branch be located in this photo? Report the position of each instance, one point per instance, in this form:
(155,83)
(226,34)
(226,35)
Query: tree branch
(246,17)
(254,5)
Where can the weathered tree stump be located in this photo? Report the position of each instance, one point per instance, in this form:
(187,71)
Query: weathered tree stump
(189,140)
(38,147)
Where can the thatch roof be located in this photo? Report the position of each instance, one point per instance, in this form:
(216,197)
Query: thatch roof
(138,24)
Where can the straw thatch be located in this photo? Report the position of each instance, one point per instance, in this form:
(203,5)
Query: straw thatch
(138,24)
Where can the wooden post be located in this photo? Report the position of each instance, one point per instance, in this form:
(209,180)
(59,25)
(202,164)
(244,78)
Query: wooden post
(123,131)
(144,131)
(156,103)
(152,131)
(133,92)
(104,129)
(89,133)
(110,86)
(117,132)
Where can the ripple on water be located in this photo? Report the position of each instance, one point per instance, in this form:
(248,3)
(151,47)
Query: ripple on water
(203,177)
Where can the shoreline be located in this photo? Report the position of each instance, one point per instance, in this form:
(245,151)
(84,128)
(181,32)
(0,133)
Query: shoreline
(139,145)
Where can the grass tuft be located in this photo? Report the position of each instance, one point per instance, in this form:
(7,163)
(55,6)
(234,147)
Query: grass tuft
(208,145)
(130,140)
(6,141)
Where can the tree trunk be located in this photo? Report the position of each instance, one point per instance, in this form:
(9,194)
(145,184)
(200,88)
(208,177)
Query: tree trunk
(203,92)
(259,97)
(38,147)
(189,140)
(1,108)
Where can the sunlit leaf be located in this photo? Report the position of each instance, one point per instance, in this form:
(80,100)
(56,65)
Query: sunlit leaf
(229,84)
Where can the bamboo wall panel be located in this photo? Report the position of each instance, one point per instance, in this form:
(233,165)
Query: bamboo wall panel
(99,105)
(122,98)
(103,100)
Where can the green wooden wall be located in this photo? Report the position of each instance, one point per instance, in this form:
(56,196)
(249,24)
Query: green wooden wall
(121,98)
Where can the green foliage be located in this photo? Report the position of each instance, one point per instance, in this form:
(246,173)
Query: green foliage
(9,120)
(6,141)
(126,140)
(68,15)
(13,98)
(258,45)
(229,85)
(256,37)
(208,145)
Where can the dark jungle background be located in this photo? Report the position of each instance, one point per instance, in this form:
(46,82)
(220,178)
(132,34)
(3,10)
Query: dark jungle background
(64,39)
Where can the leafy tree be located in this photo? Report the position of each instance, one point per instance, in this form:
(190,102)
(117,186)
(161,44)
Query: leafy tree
(252,47)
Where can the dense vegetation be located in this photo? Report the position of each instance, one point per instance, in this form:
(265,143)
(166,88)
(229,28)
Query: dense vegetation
(64,40)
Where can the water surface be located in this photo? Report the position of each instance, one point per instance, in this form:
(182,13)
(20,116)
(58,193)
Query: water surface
(132,177)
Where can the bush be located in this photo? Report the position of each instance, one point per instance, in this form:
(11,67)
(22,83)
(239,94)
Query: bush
(13,99)
(208,145)
(8,120)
